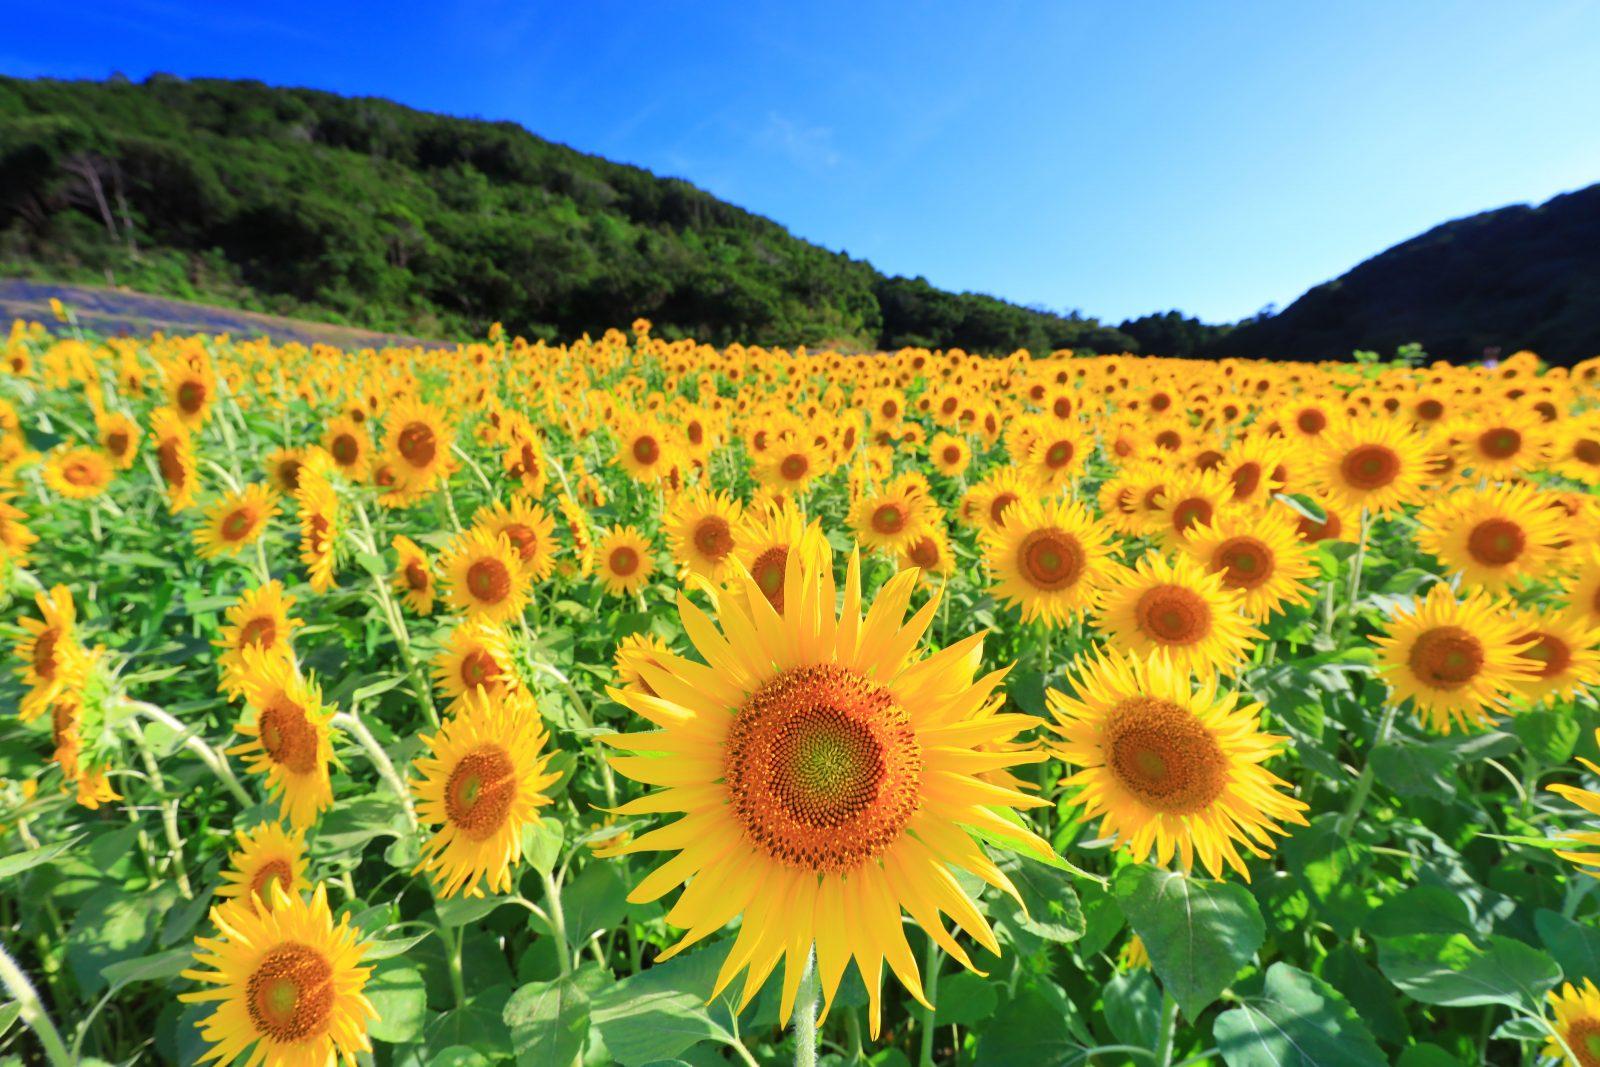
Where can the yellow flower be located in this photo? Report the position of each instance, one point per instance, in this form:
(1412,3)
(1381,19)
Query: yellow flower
(483,576)
(1493,538)
(949,454)
(891,516)
(175,458)
(1258,554)
(235,521)
(624,559)
(1048,558)
(289,738)
(419,438)
(701,532)
(475,656)
(268,855)
(769,536)
(319,527)
(1373,463)
(1577,1020)
(53,661)
(1176,609)
(1565,654)
(119,437)
(260,620)
(930,551)
(413,575)
(347,443)
(78,473)
(529,528)
(1189,498)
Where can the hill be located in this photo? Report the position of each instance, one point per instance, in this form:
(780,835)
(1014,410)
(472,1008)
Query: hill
(1513,278)
(364,212)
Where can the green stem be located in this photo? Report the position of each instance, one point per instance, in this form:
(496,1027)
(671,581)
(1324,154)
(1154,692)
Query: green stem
(351,723)
(805,1017)
(558,923)
(1167,1031)
(21,990)
(458,982)
(930,963)
(1358,799)
(192,741)
(1358,560)
(169,819)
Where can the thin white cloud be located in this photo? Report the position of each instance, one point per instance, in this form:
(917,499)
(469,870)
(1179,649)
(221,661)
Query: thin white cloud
(807,146)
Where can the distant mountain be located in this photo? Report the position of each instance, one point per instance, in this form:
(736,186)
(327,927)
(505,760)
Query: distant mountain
(368,213)
(1514,278)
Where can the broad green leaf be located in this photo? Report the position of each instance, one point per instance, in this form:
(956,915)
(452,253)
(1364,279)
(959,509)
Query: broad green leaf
(1455,971)
(1576,947)
(1053,912)
(541,844)
(1330,869)
(1029,1030)
(388,948)
(963,999)
(1298,1020)
(9,1013)
(459,911)
(112,926)
(593,902)
(1421,909)
(396,991)
(1199,934)
(550,1020)
(1549,735)
(480,1023)
(658,1013)
(13,865)
(458,1056)
(1132,1007)
(1427,1055)
(149,968)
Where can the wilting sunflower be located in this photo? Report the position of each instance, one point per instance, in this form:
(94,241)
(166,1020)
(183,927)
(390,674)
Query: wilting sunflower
(1168,765)
(288,982)
(268,855)
(483,576)
(78,473)
(1190,498)
(258,620)
(1457,661)
(827,773)
(119,435)
(319,527)
(892,514)
(476,655)
(1177,609)
(624,559)
(1259,554)
(52,659)
(1577,1019)
(529,528)
(290,741)
(769,537)
(419,438)
(1565,653)
(702,532)
(1494,538)
(1373,463)
(481,783)
(1048,558)
(347,443)
(413,575)
(236,520)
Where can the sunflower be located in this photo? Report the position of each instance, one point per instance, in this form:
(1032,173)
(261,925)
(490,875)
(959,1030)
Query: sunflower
(52,659)
(15,537)
(1565,652)
(235,521)
(413,575)
(476,655)
(769,537)
(288,982)
(94,788)
(1576,451)
(191,387)
(1338,522)
(929,551)
(78,473)
(633,653)
(1057,454)
(949,454)
(1501,444)
(702,532)
(790,465)
(1370,463)
(644,451)
(175,458)
(119,436)
(290,741)
(994,496)
(529,528)
(1259,554)
(1457,661)
(419,438)
(283,469)
(483,576)
(260,620)
(1170,766)
(888,517)
(347,443)
(1177,609)
(482,782)
(319,528)
(826,772)
(1256,468)
(1189,498)
(523,460)
(268,855)
(1494,538)
(1048,558)
(1577,1021)
(1583,592)
(625,560)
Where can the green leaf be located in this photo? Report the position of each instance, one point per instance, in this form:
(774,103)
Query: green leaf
(394,946)
(1330,869)
(1199,934)
(9,1013)
(963,999)
(1132,1007)
(658,1013)
(1052,910)
(458,1056)
(396,991)
(11,866)
(112,926)
(541,844)
(1421,909)
(550,1020)
(1550,736)
(149,968)
(1427,1055)
(1575,947)
(459,911)
(1297,1020)
(593,902)
(480,1023)
(1455,971)
(1030,1030)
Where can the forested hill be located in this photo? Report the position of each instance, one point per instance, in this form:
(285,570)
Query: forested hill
(369,213)
(1517,277)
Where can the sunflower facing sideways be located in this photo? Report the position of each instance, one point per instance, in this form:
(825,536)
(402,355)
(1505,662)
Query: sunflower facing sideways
(529,528)
(1170,766)
(288,982)
(476,655)
(52,658)
(769,536)
(174,450)
(235,520)
(1456,661)
(1565,653)
(268,855)
(1048,558)
(1175,608)
(259,620)
(827,775)
(1259,554)
(288,739)
(481,783)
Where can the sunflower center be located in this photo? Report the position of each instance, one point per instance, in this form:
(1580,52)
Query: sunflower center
(273,871)
(290,993)
(1244,562)
(117,442)
(44,653)
(1501,442)
(417,444)
(191,395)
(78,473)
(1210,459)
(823,768)
(289,473)
(1430,410)
(238,523)
(416,575)
(478,795)
(1058,455)
(489,581)
(712,537)
(1370,467)
(384,476)
(1051,559)
(1158,752)
(345,450)
(695,432)
(924,552)
(171,464)
(998,506)
(1587,451)
(1190,512)
(1245,479)
(1168,440)
(768,570)
(522,538)
(1583,1037)
(1446,657)
(1311,530)
(1551,653)
(623,561)
(888,519)
(1496,542)
(645,450)
(478,667)
(1311,422)
(1173,615)
(289,739)
(320,529)
(952,455)
(794,467)
(261,631)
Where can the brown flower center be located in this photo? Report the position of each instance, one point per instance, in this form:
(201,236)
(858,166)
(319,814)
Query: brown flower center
(713,538)
(1191,512)
(489,581)
(272,871)
(288,737)
(478,667)
(1161,754)
(191,396)
(998,506)
(1173,615)
(416,575)
(261,631)
(1496,542)
(173,472)
(1586,450)
(952,455)
(480,791)
(1311,422)
(1246,479)
(1244,562)
(888,518)
(418,444)
(522,538)
(1446,657)
(238,524)
(117,442)
(45,662)
(645,450)
(1502,442)
(1369,467)
(1430,410)
(345,450)
(768,572)
(1550,652)
(290,994)
(1051,559)
(624,561)
(794,467)
(1059,455)
(924,552)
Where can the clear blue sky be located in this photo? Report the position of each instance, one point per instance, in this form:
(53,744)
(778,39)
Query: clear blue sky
(1113,157)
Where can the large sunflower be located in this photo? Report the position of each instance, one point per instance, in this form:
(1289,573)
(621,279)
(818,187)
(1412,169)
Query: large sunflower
(481,783)
(483,576)
(702,532)
(288,982)
(1456,660)
(1177,609)
(1494,538)
(529,528)
(1576,1019)
(268,855)
(1260,554)
(1500,443)
(1373,463)
(289,739)
(828,777)
(236,520)
(52,659)
(1048,558)
(1565,653)
(1190,498)
(1169,765)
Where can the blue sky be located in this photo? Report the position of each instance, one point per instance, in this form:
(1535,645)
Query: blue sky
(1116,158)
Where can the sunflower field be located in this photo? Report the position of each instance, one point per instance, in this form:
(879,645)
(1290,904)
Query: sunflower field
(636,701)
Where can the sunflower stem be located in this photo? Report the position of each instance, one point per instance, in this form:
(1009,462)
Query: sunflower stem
(930,963)
(1358,559)
(1358,799)
(196,744)
(458,983)
(558,923)
(352,723)
(1167,1030)
(27,998)
(805,1016)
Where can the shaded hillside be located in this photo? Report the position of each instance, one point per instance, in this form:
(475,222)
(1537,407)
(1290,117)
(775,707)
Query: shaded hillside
(1513,278)
(365,212)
